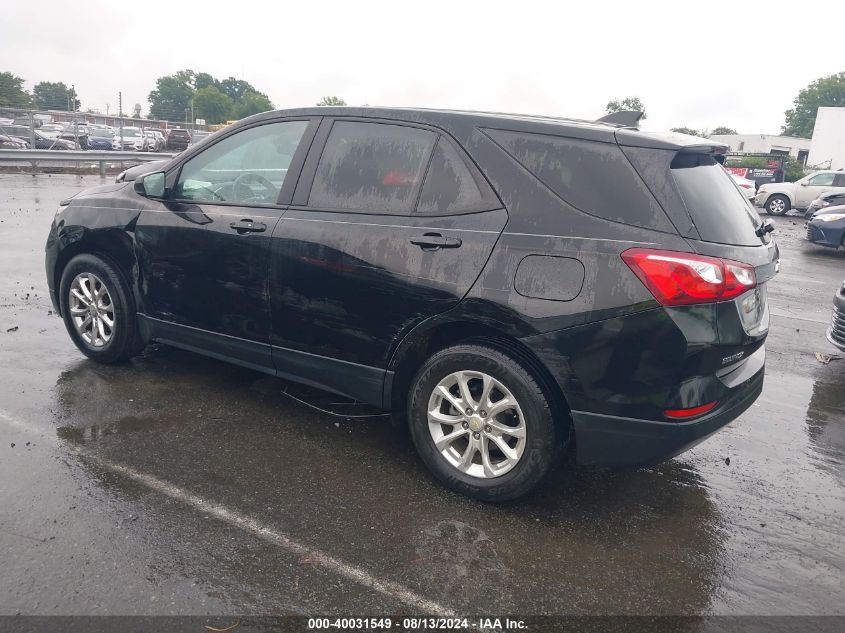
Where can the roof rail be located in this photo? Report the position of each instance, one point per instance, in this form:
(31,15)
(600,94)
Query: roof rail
(624,118)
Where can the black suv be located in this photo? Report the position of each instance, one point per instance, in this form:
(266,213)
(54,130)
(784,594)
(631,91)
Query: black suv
(506,285)
(178,139)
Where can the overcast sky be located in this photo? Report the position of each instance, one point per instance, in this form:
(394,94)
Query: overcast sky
(699,64)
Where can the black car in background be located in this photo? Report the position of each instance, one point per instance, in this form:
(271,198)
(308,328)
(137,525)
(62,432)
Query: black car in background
(836,333)
(827,227)
(506,285)
(178,139)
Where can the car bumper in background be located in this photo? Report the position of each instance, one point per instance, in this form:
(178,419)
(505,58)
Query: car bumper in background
(606,440)
(836,332)
(818,233)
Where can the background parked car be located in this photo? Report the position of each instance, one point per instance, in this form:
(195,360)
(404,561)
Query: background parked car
(746,186)
(43,140)
(827,228)
(155,140)
(178,139)
(836,333)
(130,139)
(824,201)
(100,139)
(10,142)
(778,198)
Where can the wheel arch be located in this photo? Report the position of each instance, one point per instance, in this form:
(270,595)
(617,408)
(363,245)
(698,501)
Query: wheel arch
(418,346)
(110,244)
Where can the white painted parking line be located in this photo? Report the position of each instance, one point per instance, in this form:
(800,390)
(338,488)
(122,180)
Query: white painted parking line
(387,588)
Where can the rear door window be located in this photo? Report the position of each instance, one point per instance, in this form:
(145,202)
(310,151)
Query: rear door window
(449,186)
(371,167)
(720,212)
(593,177)
(839,181)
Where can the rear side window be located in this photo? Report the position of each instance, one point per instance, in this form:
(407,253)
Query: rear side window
(720,212)
(593,177)
(372,167)
(839,181)
(449,186)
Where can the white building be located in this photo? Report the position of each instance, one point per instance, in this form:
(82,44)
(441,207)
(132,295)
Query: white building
(798,148)
(828,150)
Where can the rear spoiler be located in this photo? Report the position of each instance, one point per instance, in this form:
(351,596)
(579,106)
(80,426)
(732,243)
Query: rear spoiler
(624,118)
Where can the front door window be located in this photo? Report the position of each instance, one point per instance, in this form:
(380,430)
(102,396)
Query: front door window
(247,168)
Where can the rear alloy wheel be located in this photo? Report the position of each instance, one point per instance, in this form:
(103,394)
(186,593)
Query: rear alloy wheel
(777,205)
(482,423)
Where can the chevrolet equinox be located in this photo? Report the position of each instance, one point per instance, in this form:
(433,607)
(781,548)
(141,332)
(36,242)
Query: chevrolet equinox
(507,285)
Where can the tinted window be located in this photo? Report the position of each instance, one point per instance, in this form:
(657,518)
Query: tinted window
(248,167)
(371,166)
(821,180)
(839,181)
(720,212)
(449,186)
(593,177)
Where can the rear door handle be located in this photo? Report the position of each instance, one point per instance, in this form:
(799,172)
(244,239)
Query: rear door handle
(248,226)
(433,241)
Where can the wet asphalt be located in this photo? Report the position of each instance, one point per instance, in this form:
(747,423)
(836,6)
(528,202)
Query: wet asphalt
(178,484)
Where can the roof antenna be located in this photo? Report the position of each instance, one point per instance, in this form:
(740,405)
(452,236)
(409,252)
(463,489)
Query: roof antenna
(624,118)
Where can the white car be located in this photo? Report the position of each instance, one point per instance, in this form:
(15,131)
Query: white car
(133,140)
(746,186)
(779,197)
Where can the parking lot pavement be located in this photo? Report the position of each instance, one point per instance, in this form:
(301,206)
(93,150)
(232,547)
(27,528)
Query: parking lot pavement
(177,484)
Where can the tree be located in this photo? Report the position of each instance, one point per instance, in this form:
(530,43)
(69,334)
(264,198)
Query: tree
(51,95)
(236,88)
(722,130)
(628,103)
(12,93)
(332,101)
(251,103)
(172,96)
(204,80)
(212,105)
(826,91)
(686,130)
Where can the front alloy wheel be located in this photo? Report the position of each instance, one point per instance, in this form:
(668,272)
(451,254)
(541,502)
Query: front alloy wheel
(476,424)
(91,309)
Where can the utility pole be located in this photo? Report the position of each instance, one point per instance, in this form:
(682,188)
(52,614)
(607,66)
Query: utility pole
(120,115)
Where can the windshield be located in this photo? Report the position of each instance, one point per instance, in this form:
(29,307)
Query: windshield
(127,132)
(720,212)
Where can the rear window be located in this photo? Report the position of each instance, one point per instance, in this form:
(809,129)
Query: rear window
(593,177)
(720,212)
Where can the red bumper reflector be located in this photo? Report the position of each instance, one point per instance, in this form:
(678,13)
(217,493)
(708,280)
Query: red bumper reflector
(680,414)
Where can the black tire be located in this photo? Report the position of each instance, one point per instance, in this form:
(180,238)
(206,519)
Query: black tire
(778,205)
(125,339)
(542,440)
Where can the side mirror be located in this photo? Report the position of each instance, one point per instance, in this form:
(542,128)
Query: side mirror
(151,185)
(805,184)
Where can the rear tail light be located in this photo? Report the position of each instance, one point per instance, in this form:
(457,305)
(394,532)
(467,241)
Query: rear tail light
(683,414)
(685,278)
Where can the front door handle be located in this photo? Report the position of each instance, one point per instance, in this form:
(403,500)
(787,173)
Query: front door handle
(248,226)
(433,241)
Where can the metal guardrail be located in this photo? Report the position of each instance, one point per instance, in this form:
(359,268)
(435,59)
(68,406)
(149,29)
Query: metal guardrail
(35,156)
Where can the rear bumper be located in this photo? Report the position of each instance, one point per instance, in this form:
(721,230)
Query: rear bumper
(606,440)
